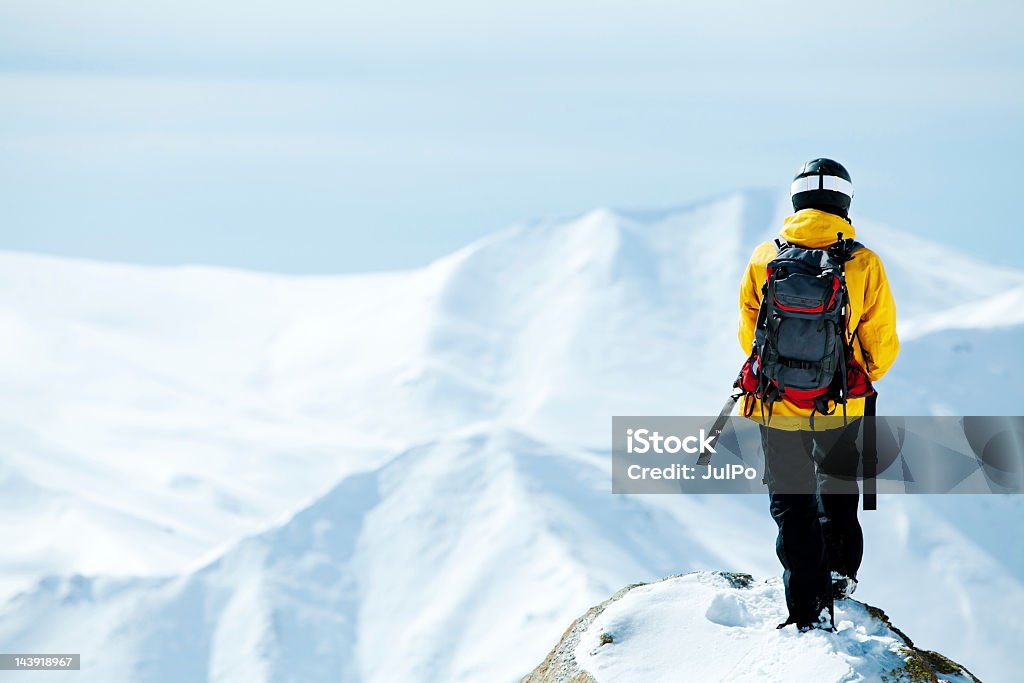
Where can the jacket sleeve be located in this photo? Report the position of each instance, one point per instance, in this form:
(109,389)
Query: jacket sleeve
(877,329)
(750,302)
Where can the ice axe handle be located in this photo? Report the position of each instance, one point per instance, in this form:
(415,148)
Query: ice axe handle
(716,428)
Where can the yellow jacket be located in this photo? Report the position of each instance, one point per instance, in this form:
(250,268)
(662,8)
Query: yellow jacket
(871,321)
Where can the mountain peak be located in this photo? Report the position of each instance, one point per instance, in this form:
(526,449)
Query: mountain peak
(721,626)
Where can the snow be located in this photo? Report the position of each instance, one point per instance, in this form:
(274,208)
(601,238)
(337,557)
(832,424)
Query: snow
(216,474)
(699,628)
(1003,310)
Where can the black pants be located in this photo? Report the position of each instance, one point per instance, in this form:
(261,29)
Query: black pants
(812,484)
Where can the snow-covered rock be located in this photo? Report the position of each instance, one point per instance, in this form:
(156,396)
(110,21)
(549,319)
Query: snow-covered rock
(717,627)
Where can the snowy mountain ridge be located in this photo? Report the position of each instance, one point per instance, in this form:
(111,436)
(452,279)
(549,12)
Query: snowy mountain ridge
(426,449)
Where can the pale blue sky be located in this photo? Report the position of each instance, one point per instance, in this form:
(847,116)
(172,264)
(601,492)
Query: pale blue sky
(317,137)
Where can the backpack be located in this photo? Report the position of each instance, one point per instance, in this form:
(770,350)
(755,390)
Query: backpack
(801,352)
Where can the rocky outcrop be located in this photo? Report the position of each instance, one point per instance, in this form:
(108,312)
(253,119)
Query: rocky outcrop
(560,665)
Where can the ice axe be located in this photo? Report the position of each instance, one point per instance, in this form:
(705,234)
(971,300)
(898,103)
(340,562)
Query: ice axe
(718,425)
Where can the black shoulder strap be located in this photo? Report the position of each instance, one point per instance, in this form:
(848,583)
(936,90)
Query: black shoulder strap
(780,244)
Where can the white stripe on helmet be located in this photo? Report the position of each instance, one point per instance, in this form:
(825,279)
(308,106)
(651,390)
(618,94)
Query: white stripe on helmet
(819,182)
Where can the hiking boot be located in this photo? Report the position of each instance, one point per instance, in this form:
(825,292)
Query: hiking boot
(805,626)
(822,623)
(842,586)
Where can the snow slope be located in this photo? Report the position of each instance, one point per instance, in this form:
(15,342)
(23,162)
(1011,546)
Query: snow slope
(456,561)
(159,422)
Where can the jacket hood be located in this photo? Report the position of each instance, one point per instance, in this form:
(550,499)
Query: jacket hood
(815,229)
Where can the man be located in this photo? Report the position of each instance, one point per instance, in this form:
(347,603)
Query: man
(810,449)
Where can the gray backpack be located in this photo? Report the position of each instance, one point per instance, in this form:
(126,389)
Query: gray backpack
(801,352)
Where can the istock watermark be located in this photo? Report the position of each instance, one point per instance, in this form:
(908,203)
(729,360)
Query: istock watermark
(930,455)
(645,440)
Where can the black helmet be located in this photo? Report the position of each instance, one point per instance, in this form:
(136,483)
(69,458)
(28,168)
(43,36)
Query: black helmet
(822,184)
